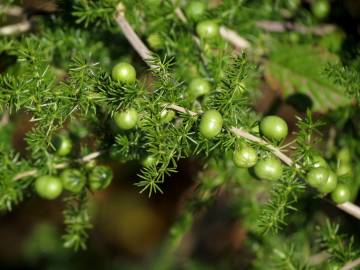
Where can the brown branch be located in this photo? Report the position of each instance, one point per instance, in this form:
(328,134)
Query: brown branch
(140,47)
(351,265)
(12,10)
(234,38)
(16,28)
(241,133)
(84,159)
(273,26)
(4,119)
(131,36)
(347,207)
(181,109)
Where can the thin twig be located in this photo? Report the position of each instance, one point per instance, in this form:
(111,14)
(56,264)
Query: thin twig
(181,109)
(180,14)
(25,174)
(273,26)
(318,258)
(347,207)
(234,38)
(351,265)
(350,208)
(242,133)
(131,36)
(16,28)
(4,119)
(84,159)
(12,10)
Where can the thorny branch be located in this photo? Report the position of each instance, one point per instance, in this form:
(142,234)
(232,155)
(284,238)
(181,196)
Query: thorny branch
(347,207)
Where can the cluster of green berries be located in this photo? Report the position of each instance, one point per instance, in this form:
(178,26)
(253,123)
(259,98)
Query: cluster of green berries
(205,29)
(275,129)
(322,178)
(73,180)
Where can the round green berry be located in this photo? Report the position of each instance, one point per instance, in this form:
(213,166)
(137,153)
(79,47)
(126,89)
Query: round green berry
(207,29)
(149,161)
(100,178)
(330,183)
(199,87)
(63,145)
(269,169)
(73,180)
(211,124)
(48,187)
(341,194)
(319,161)
(317,177)
(344,169)
(155,41)
(344,155)
(124,72)
(195,10)
(274,128)
(293,4)
(126,119)
(320,8)
(245,157)
(167,116)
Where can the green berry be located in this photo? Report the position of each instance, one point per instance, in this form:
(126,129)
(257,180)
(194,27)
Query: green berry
(344,169)
(100,178)
(126,119)
(124,72)
(341,194)
(149,161)
(320,8)
(330,183)
(199,87)
(293,4)
(195,10)
(211,124)
(73,180)
(167,116)
(274,128)
(63,145)
(317,177)
(319,161)
(245,157)
(269,169)
(155,41)
(207,29)
(294,37)
(344,155)
(48,187)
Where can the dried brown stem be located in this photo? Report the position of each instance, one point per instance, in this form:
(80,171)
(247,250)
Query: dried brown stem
(12,10)
(273,26)
(347,207)
(139,46)
(234,38)
(4,119)
(16,28)
(84,159)
(351,265)
(131,36)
